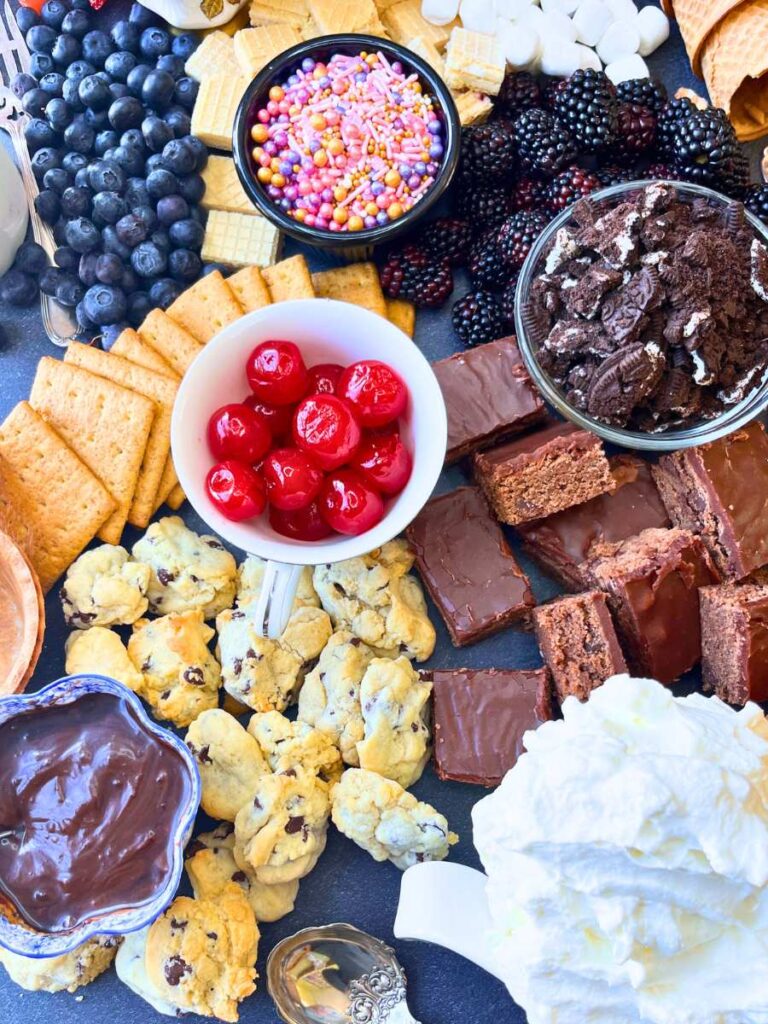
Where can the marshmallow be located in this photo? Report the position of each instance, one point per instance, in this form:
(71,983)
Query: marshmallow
(520,45)
(511,10)
(478,16)
(626,68)
(560,57)
(591,20)
(556,25)
(620,39)
(563,6)
(653,26)
(589,58)
(622,10)
(439,12)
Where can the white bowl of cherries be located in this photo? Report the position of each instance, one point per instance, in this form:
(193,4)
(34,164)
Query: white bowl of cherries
(308,432)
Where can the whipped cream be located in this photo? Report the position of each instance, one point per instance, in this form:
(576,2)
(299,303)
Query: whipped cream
(627,862)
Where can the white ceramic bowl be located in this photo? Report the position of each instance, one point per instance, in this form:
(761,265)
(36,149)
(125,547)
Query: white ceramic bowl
(326,331)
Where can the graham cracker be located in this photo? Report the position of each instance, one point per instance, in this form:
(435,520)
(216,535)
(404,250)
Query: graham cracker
(473,107)
(107,425)
(357,283)
(333,16)
(164,336)
(176,498)
(278,12)
(289,279)
(130,346)
(250,288)
(402,314)
(256,47)
(427,50)
(206,308)
(62,501)
(16,508)
(223,190)
(157,476)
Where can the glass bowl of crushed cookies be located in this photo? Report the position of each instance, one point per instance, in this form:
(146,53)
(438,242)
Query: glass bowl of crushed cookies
(346,140)
(642,314)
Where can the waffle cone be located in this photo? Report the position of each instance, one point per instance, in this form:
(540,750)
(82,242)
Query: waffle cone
(735,67)
(697,19)
(22,617)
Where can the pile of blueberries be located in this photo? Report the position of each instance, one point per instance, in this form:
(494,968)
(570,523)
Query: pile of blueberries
(118,171)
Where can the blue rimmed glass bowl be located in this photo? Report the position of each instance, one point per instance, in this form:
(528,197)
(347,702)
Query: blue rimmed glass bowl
(19,937)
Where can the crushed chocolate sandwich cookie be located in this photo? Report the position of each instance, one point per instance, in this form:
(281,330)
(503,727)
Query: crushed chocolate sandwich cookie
(652,313)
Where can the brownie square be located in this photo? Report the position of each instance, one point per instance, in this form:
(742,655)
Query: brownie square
(578,643)
(563,542)
(720,490)
(652,582)
(489,396)
(481,716)
(468,567)
(734,639)
(543,473)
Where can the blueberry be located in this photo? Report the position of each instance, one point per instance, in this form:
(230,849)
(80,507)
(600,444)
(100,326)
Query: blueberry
(104,304)
(109,207)
(69,291)
(164,292)
(161,239)
(141,16)
(43,160)
(96,119)
(41,64)
(119,65)
(48,280)
(133,138)
(186,234)
(22,83)
(94,92)
(66,258)
(76,23)
(184,265)
(111,243)
(147,216)
(75,201)
(65,50)
(172,64)
(185,92)
(156,133)
(18,288)
(161,183)
(83,319)
(136,193)
(34,101)
(192,187)
(71,95)
(119,91)
(154,42)
(179,120)
(81,5)
(139,306)
(129,282)
(154,163)
(106,176)
(82,179)
(31,258)
(97,46)
(58,114)
(126,35)
(59,231)
(110,334)
(109,268)
(25,19)
(211,268)
(104,141)
(184,45)
(148,260)
(82,235)
(57,179)
(130,159)
(38,133)
(157,90)
(40,38)
(53,13)
(79,137)
(73,162)
(172,208)
(180,157)
(200,150)
(131,230)
(135,79)
(126,113)
(79,70)
(53,83)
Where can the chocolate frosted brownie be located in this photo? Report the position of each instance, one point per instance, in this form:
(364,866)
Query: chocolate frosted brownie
(563,542)
(734,639)
(489,396)
(468,567)
(720,491)
(578,642)
(652,582)
(543,473)
(481,716)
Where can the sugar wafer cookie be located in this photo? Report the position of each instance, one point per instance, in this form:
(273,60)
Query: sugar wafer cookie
(213,56)
(213,116)
(240,240)
(474,60)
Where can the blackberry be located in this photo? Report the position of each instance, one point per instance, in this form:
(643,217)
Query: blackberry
(671,116)
(586,103)
(637,131)
(756,201)
(483,207)
(707,152)
(666,172)
(544,144)
(517,234)
(647,92)
(485,266)
(507,298)
(411,273)
(519,91)
(612,174)
(477,318)
(527,194)
(448,238)
(488,152)
(569,186)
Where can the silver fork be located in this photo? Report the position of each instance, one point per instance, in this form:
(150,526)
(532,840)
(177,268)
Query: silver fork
(59,323)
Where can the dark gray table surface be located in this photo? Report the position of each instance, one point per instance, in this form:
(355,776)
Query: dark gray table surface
(347,884)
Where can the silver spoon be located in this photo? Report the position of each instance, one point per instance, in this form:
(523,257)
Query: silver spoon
(337,974)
